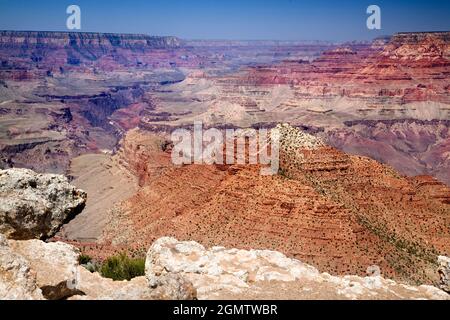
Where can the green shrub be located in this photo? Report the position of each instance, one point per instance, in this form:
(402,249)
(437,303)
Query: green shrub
(84,259)
(121,267)
(92,266)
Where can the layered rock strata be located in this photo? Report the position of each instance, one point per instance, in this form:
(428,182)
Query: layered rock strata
(338,212)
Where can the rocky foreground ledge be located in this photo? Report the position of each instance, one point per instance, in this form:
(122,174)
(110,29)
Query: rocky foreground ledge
(176,270)
(220,273)
(35,270)
(34,206)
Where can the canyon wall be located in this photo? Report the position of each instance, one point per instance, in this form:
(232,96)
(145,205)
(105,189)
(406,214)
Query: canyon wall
(105,41)
(388,99)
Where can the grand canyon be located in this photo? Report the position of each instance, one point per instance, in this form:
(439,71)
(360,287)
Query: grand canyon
(363,184)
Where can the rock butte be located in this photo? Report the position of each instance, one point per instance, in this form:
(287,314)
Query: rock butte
(324,204)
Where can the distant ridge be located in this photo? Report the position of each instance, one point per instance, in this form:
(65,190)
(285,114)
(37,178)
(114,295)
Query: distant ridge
(12,38)
(409,32)
(413,37)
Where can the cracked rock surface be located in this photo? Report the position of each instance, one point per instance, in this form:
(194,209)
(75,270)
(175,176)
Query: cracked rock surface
(35,206)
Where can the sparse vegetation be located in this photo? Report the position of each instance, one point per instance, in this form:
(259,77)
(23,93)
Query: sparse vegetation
(122,267)
(84,259)
(283,173)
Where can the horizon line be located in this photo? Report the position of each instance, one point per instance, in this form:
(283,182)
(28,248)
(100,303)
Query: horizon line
(220,39)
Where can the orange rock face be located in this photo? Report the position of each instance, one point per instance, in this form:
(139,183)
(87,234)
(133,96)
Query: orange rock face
(340,213)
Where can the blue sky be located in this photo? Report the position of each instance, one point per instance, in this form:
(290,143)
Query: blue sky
(231,19)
